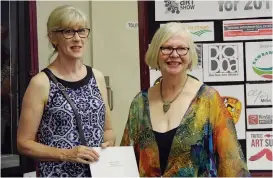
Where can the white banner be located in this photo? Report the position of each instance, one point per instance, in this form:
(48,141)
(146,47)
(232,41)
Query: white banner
(259,60)
(168,10)
(247,29)
(201,31)
(259,150)
(223,62)
(235,103)
(259,94)
(259,118)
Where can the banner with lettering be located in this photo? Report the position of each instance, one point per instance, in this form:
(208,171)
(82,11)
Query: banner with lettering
(259,94)
(259,118)
(168,10)
(253,29)
(259,150)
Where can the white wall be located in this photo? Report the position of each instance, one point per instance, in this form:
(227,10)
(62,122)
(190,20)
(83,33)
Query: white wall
(44,9)
(116,54)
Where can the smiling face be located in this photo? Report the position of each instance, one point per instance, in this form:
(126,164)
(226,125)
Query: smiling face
(70,42)
(68,32)
(174,55)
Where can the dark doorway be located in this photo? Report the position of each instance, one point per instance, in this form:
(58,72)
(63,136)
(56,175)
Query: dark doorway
(16,64)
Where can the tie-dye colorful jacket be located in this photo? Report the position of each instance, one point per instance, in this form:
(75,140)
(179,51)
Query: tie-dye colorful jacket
(205,143)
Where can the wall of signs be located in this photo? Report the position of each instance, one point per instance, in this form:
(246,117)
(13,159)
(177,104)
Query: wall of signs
(234,40)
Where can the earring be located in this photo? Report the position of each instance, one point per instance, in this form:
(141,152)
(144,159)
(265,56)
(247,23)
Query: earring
(190,66)
(54,46)
(158,67)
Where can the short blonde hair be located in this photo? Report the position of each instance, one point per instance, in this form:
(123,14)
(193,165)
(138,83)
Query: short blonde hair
(164,33)
(64,17)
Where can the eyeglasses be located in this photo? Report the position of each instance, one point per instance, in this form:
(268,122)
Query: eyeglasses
(180,51)
(69,33)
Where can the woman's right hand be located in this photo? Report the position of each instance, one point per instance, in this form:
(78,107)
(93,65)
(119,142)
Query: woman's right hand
(81,154)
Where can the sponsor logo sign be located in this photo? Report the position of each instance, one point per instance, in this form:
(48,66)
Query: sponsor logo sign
(259,118)
(247,29)
(168,10)
(259,150)
(259,94)
(234,101)
(200,31)
(259,60)
(223,62)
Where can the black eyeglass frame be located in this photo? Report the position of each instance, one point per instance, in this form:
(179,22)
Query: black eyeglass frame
(162,48)
(75,31)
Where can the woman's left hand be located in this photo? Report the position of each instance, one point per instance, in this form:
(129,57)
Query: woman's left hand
(106,144)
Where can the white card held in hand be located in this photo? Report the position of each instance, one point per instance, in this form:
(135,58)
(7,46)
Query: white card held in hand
(115,162)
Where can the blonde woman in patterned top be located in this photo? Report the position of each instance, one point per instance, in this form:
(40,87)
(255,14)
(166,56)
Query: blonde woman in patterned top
(180,127)
(48,129)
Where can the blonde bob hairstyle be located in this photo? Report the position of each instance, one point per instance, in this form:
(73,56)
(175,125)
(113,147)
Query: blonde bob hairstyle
(164,33)
(64,17)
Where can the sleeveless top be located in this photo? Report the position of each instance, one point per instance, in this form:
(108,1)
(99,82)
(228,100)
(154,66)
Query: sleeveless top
(164,142)
(58,127)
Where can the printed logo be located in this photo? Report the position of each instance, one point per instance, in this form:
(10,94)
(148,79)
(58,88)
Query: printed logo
(260,119)
(234,107)
(261,140)
(253,119)
(223,60)
(265,152)
(176,7)
(258,65)
(200,32)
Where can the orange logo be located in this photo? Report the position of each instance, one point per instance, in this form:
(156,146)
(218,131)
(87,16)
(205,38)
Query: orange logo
(234,107)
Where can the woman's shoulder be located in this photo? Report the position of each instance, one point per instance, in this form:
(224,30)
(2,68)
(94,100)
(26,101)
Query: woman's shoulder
(140,97)
(209,93)
(99,76)
(40,80)
(39,85)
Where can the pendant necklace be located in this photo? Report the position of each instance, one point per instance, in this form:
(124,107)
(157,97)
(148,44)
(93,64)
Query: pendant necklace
(167,104)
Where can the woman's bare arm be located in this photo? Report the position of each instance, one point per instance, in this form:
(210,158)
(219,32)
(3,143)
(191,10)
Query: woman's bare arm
(32,109)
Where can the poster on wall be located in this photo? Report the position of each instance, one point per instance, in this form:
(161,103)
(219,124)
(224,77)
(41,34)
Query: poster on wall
(200,31)
(259,94)
(259,60)
(154,76)
(223,62)
(169,10)
(259,150)
(247,29)
(235,103)
(197,71)
(259,118)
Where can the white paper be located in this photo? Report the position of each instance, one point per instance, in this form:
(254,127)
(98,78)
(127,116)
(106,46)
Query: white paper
(259,118)
(223,62)
(259,94)
(236,92)
(115,162)
(203,9)
(247,29)
(259,60)
(259,150)
(200,31)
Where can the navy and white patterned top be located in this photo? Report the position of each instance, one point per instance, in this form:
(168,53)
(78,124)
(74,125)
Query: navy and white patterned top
(58,127)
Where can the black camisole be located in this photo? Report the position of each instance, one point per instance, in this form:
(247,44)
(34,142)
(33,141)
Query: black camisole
(164,142)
